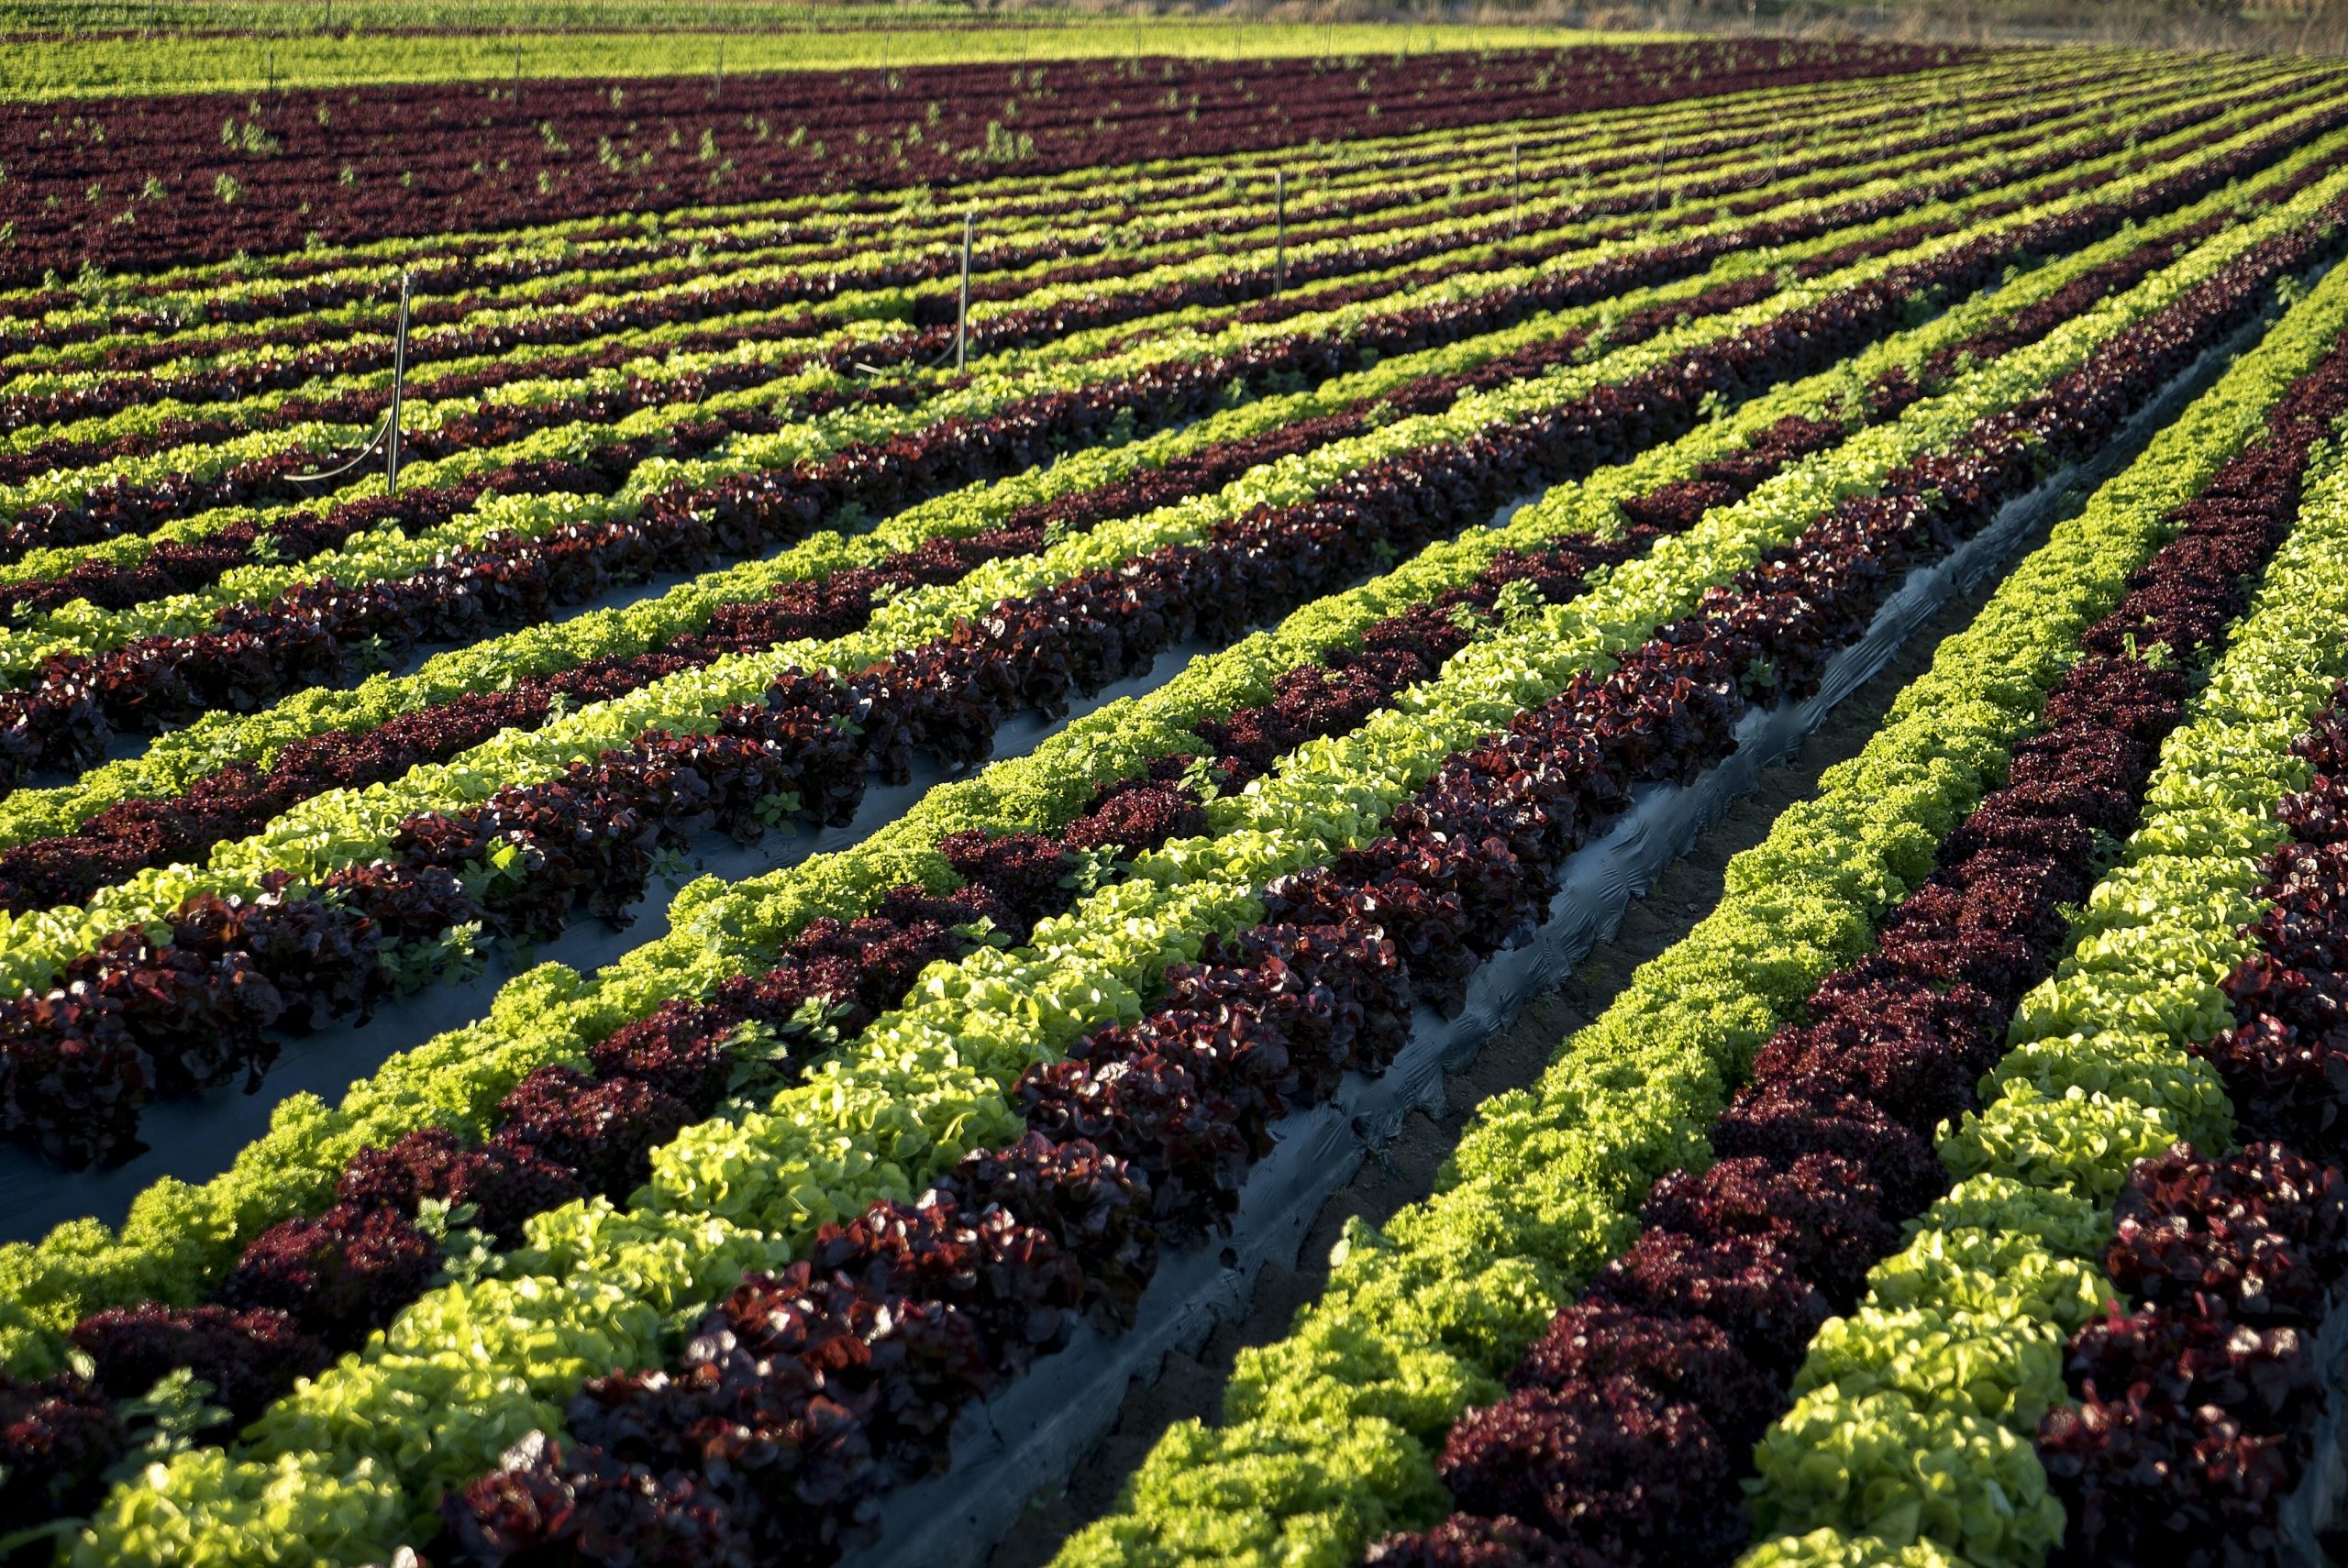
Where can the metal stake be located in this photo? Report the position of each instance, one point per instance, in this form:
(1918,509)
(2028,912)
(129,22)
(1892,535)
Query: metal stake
(719,90)
(518,76)
(1280,230)
(1512,197)
(387,435)
(399,386)
(962,314)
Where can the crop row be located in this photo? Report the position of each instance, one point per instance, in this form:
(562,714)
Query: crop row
(1330,1436)
(2199,1411)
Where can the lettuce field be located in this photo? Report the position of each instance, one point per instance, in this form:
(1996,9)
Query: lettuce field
(723,796)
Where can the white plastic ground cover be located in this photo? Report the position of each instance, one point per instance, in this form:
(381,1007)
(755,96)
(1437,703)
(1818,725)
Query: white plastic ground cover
(1025,1442)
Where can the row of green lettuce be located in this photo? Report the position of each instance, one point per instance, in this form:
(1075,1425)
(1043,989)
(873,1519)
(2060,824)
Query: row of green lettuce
(1328,1435)
(472,1367)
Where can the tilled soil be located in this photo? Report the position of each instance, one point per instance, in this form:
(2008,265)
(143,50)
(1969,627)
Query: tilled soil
(1403,1171)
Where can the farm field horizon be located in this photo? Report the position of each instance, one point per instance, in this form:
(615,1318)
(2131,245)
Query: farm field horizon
(997,791)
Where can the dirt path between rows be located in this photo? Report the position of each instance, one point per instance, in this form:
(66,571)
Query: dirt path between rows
(1191,1386)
